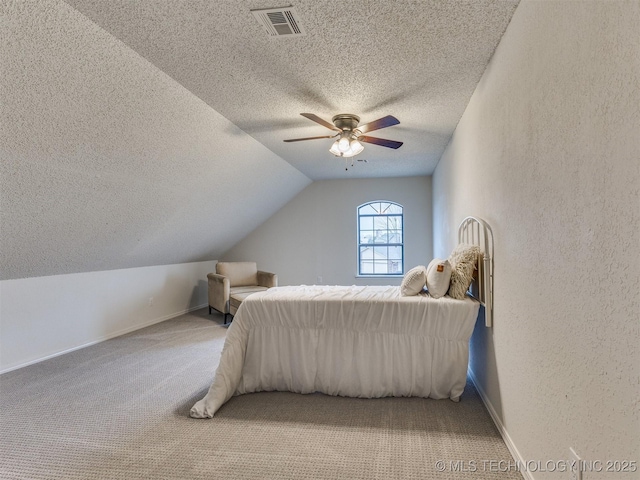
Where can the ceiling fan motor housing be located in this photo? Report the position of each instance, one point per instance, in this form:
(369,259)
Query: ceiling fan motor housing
(346,121)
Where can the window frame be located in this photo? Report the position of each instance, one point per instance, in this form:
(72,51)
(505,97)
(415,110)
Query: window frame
(387,244)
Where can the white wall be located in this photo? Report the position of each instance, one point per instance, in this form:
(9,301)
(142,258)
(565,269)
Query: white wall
(548,152)
(45,316)
(315,233)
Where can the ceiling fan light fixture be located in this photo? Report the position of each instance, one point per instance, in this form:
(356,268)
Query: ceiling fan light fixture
(356,147)
(334,149)
(343,144)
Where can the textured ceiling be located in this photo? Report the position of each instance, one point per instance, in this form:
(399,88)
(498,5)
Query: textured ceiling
(107,163)
(418,60)
(139,133)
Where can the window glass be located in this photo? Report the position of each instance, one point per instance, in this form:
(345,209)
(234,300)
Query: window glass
(380,239)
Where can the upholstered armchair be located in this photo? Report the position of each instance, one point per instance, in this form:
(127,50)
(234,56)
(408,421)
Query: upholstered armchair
(235,281)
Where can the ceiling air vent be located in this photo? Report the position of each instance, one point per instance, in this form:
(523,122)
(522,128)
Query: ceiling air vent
(279,22)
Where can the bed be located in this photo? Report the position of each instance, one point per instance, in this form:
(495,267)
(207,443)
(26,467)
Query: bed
(356,341)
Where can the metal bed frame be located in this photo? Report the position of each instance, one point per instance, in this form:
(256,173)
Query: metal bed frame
(475,231)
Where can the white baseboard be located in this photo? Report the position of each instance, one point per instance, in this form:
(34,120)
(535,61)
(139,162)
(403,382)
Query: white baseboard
(503,431)
(106,337)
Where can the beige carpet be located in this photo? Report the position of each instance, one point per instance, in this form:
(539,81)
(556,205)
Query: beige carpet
(120,410)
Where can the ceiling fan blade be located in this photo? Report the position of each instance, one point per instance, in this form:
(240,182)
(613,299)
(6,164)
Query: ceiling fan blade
(308,138)
(322,122)
(380,141)
(383,122)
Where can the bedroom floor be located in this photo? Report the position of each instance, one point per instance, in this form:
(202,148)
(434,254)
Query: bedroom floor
(120,410)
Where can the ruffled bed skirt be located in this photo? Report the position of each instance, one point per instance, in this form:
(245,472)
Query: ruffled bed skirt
(350,341)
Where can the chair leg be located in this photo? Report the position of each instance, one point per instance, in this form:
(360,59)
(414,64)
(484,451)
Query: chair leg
(209,309)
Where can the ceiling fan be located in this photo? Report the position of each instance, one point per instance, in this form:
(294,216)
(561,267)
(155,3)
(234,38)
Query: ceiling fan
(350,134)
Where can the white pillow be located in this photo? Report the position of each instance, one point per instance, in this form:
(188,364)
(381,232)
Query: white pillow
(414,281)
(438,277)
(463,261)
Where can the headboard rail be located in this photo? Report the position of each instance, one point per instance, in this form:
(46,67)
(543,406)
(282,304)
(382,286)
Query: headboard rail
(475,231)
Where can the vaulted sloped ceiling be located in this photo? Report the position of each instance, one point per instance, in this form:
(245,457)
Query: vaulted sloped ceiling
(419,60)
(109,163)
(139,133)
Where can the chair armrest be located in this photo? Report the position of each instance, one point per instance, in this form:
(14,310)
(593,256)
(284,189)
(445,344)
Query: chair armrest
(219,287)
(266,279)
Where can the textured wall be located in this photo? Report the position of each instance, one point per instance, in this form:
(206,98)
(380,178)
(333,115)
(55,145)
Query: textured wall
(315,234)
(106,162)
(45,316)
(547,151)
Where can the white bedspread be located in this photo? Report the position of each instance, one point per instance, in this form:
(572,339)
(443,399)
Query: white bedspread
(350,341)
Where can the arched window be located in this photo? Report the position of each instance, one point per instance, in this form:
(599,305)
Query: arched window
(380,239)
